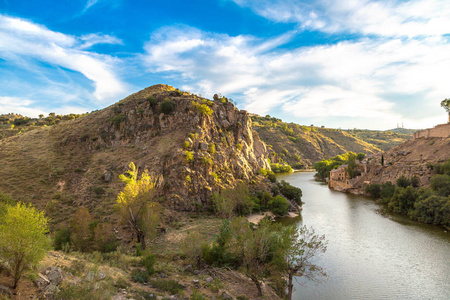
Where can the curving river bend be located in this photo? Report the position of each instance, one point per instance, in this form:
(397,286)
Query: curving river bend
(371,254)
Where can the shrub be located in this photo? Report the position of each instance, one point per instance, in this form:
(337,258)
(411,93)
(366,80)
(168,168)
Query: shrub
(189,156)
(62,238)
(387,191)
(402,181)
(167,106)
(186,145)
(441,184)
(116,120)
(139,276)
(202,108)
(374,190)
(280,168)
(152,100)
(167,285)
(148,262)
(291,192)
(279,205)
(212,148)
(415,182)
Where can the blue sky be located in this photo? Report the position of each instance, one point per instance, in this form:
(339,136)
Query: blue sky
(342,64)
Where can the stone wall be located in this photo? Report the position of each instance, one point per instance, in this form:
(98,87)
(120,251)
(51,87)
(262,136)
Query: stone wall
(442,130)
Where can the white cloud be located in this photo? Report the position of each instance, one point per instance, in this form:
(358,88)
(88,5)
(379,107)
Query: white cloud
(384,18)
(27,44)
(19,106)
(375,82)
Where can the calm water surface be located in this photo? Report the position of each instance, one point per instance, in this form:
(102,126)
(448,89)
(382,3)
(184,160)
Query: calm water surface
(371,254)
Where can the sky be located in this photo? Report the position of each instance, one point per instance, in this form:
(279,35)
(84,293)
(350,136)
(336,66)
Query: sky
(341,64)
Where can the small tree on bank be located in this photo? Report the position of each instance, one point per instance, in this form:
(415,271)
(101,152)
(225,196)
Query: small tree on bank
(23,240)
(135,205)
(300,248)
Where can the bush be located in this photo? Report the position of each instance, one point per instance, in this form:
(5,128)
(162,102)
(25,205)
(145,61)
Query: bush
(189,156)
(152,100)
(167,106)
(387,191)
(62,239)
(403,182)
(139,276)
(167,285)
(373,190)
(279,205)
(116,120)
(441,184)
(211,148)
(280,168)
(415,181)
(202,108)
(291,192)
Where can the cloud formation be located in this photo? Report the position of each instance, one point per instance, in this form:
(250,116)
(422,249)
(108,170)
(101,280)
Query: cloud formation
(360,79)
(385,18)
(26,45)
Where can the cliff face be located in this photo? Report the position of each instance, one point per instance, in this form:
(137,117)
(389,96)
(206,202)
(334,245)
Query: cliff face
(411,158)
(193,151)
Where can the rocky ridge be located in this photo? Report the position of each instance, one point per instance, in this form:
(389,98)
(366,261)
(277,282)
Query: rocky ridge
(193,151)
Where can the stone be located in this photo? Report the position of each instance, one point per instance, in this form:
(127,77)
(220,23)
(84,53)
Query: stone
(203,146)
(89,277)
(163,275)
(4,290)
(50,292)
(226,296)
(197,272)
(54,275)
(188,268)
(209,280)
(107,177)
(41,281)
(101,276)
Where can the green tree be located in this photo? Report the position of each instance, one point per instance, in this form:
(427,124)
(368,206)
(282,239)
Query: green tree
(134,203)
(300,247)
(23,240)
(446,105)
(360,156)
(402,181)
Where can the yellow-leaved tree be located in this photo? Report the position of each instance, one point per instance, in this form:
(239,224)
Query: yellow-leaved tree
(135,203)
(23,240)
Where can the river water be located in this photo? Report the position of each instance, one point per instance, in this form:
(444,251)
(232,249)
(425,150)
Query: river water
(371,254)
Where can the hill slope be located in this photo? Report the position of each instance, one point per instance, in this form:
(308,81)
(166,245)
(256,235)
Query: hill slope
(193,151)
(305,145)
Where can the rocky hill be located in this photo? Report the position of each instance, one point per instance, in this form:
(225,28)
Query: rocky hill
(304,145)
(412,158)
(193,147)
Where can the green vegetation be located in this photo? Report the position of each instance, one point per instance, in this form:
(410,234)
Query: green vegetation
(167,106)
(268,251)
(134,206)
(426,205)
(324,167)
(202,108)
(23,240)
(280,168)
(189,156)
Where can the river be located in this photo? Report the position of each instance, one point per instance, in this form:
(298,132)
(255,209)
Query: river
(371,254)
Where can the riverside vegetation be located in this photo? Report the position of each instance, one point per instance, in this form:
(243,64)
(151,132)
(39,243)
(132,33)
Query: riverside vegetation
(268,251)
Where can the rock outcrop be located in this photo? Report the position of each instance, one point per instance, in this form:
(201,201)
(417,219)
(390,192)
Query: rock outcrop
(195,148)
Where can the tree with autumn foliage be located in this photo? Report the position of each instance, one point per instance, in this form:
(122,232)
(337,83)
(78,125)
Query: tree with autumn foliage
(135,203)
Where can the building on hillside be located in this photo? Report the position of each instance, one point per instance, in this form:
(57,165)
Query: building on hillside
(339,179)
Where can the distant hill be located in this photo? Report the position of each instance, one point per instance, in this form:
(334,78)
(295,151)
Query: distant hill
(300,145)
(384,140)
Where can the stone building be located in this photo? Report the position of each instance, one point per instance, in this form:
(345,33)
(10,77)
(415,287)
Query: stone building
(442,130)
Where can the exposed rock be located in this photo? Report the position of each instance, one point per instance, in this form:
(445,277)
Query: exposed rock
(6,291)
(226,296)
(107,177)
(54,275)
(89,276)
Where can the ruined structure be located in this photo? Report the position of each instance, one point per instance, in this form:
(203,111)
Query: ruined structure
(441,130)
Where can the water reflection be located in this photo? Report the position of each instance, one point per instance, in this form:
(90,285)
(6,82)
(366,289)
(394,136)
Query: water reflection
(371,254)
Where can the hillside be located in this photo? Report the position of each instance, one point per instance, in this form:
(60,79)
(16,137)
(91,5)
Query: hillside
(196,149)
(304,145)
(412,158)
(384,140)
